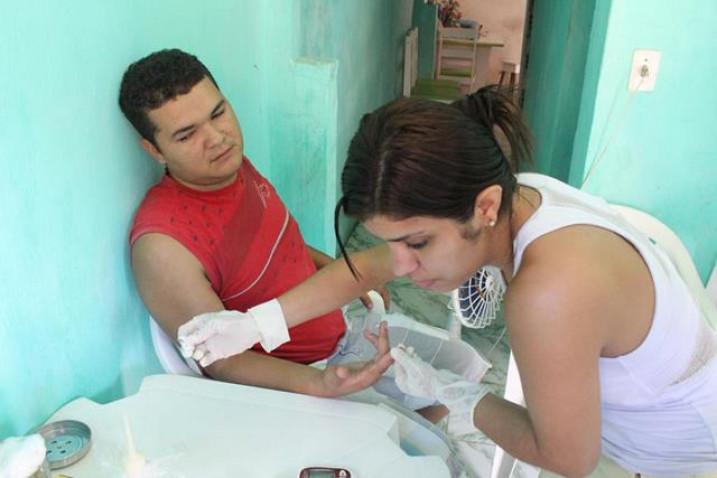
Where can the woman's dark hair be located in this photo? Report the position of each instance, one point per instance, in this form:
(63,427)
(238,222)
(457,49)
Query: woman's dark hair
(416,157)
(155,79)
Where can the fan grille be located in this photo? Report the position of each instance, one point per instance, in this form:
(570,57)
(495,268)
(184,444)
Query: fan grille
(477,301)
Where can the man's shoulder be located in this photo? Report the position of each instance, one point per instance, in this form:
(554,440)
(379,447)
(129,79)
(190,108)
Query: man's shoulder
(158,211)
(163,188)
(156,200)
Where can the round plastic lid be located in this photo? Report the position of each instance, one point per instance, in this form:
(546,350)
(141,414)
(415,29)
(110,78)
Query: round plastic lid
(67,441)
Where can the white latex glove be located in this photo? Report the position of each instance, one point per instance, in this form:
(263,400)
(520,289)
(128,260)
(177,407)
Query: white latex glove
(216,335)
(20,457)
(460,396)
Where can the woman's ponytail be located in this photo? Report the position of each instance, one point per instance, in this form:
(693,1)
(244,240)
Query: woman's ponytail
(494,108)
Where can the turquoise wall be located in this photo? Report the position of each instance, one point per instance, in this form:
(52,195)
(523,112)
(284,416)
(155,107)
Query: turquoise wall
(559,39)
(71,323)
(366,40)
(656,150)
(424,18)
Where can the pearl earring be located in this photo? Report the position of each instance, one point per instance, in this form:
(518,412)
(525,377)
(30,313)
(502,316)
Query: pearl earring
(492,223)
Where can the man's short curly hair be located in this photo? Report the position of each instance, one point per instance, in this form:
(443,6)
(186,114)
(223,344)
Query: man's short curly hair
(155,79)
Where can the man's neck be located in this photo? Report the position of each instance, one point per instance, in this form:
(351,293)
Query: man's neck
(215,186)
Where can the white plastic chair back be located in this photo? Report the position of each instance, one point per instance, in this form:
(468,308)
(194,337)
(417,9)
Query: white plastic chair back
(671,244)
(712,287)
(169,357)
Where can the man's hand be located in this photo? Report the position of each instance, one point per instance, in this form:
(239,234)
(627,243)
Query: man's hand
(338,380)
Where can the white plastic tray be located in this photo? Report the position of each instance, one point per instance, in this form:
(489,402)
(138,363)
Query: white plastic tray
(189,427)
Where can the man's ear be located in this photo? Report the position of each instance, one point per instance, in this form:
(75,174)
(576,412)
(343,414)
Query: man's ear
(153,151)
(487,206)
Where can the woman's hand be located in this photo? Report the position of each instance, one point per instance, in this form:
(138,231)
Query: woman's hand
(460,396)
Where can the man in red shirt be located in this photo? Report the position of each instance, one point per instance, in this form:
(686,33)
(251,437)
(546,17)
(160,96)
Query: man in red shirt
(213,235)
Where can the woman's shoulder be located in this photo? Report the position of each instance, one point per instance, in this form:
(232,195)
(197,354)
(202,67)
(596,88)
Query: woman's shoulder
(567,269)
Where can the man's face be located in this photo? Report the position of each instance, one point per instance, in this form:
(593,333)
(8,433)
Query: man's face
(198,138)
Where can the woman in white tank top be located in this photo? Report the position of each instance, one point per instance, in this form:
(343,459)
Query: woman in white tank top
(614,356)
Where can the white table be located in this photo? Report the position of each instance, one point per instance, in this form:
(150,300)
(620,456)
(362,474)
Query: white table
(192,427)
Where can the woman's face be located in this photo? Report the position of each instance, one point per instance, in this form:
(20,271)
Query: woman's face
(435,253)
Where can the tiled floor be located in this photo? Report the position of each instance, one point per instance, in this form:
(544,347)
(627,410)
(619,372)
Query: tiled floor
(432,308)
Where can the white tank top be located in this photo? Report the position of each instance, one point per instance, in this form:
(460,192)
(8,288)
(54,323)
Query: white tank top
(659,402)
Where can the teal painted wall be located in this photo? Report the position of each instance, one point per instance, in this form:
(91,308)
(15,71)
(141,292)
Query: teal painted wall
(303,146)
(366,40)
(656,150)
(559,40)
(424,18)
(71,323)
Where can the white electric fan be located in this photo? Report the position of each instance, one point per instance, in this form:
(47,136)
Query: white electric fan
(477,301)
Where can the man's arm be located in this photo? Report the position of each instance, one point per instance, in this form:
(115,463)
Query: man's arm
(251,368)
(174,287)
(171,281)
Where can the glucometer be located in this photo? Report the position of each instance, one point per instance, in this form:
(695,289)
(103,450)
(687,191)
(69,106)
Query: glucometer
(324,472)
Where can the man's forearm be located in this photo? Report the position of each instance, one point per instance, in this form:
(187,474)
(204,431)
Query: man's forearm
(259,370)
(334,285)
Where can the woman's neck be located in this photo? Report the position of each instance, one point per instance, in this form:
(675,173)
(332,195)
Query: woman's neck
(525,202)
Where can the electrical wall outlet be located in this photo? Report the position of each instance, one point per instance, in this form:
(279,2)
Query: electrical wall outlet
(643,72)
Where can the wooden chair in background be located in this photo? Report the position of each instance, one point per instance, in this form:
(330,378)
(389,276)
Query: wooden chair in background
(457,56)
(509,75)
(442,90)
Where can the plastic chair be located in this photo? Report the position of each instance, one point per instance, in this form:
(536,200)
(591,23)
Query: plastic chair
(678,254)
(509,74)
(169,357)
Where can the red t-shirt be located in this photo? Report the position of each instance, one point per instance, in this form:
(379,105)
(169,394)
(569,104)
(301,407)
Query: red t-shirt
(250,246)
